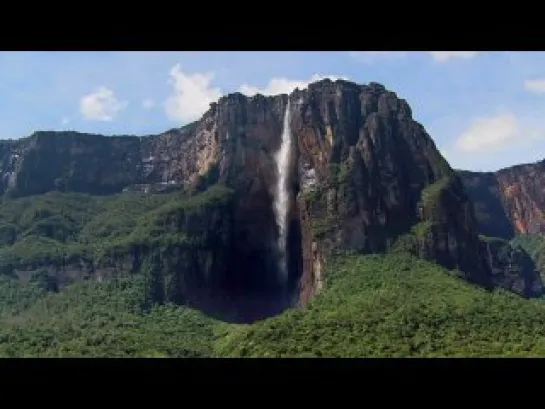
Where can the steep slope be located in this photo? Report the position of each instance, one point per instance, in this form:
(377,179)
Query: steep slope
(371,172)
(68,161)
(534,246)
(364,176)
(483,190)
(513,267)
(510,211)
(510,201)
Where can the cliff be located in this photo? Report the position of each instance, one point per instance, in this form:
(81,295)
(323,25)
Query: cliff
(510,201)
(364,176)
(512,267)
(370,173)
(510,211)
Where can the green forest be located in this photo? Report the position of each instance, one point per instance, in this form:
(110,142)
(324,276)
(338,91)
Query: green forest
(371,306)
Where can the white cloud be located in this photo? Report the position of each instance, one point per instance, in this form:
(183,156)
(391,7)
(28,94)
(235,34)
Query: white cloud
(372,56)
(496,132)
(101,105)
(284,85)
(65,121)
(443,56)
(537,86)
(148,104)
(191,96)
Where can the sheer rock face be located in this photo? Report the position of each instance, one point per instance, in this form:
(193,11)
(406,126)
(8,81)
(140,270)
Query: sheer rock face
(364,177)
(359,167)
(523,193)
(364,169)
(483,189)
(512,268)
(510,201)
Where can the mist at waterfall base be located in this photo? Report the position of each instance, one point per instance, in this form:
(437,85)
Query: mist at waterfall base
(282,194)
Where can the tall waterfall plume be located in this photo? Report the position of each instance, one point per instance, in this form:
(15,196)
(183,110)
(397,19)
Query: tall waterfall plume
(282,194)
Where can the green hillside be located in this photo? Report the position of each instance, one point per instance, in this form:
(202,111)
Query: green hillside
(98,320)
(60,228)
(396,305)
(56,227)
(377,305)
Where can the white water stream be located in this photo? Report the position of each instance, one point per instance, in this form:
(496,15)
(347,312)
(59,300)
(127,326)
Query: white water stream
(282,194)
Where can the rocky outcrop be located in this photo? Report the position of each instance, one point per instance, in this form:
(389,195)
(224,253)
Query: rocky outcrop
(510,204)
(523,193)
(510,201)
(512,268)
(369,172)
(483,189)
(68,161)
(360,170)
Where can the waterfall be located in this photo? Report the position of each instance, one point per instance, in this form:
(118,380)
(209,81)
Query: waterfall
(282,194)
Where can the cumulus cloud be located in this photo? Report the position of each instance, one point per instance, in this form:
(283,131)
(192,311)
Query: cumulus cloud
(443,56)
(536,86)
(148,103)
(191,96)
(101,105)
(496,132)
(284,85)
(372,56)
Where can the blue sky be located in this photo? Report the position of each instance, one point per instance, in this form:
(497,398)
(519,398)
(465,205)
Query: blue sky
(483,109)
